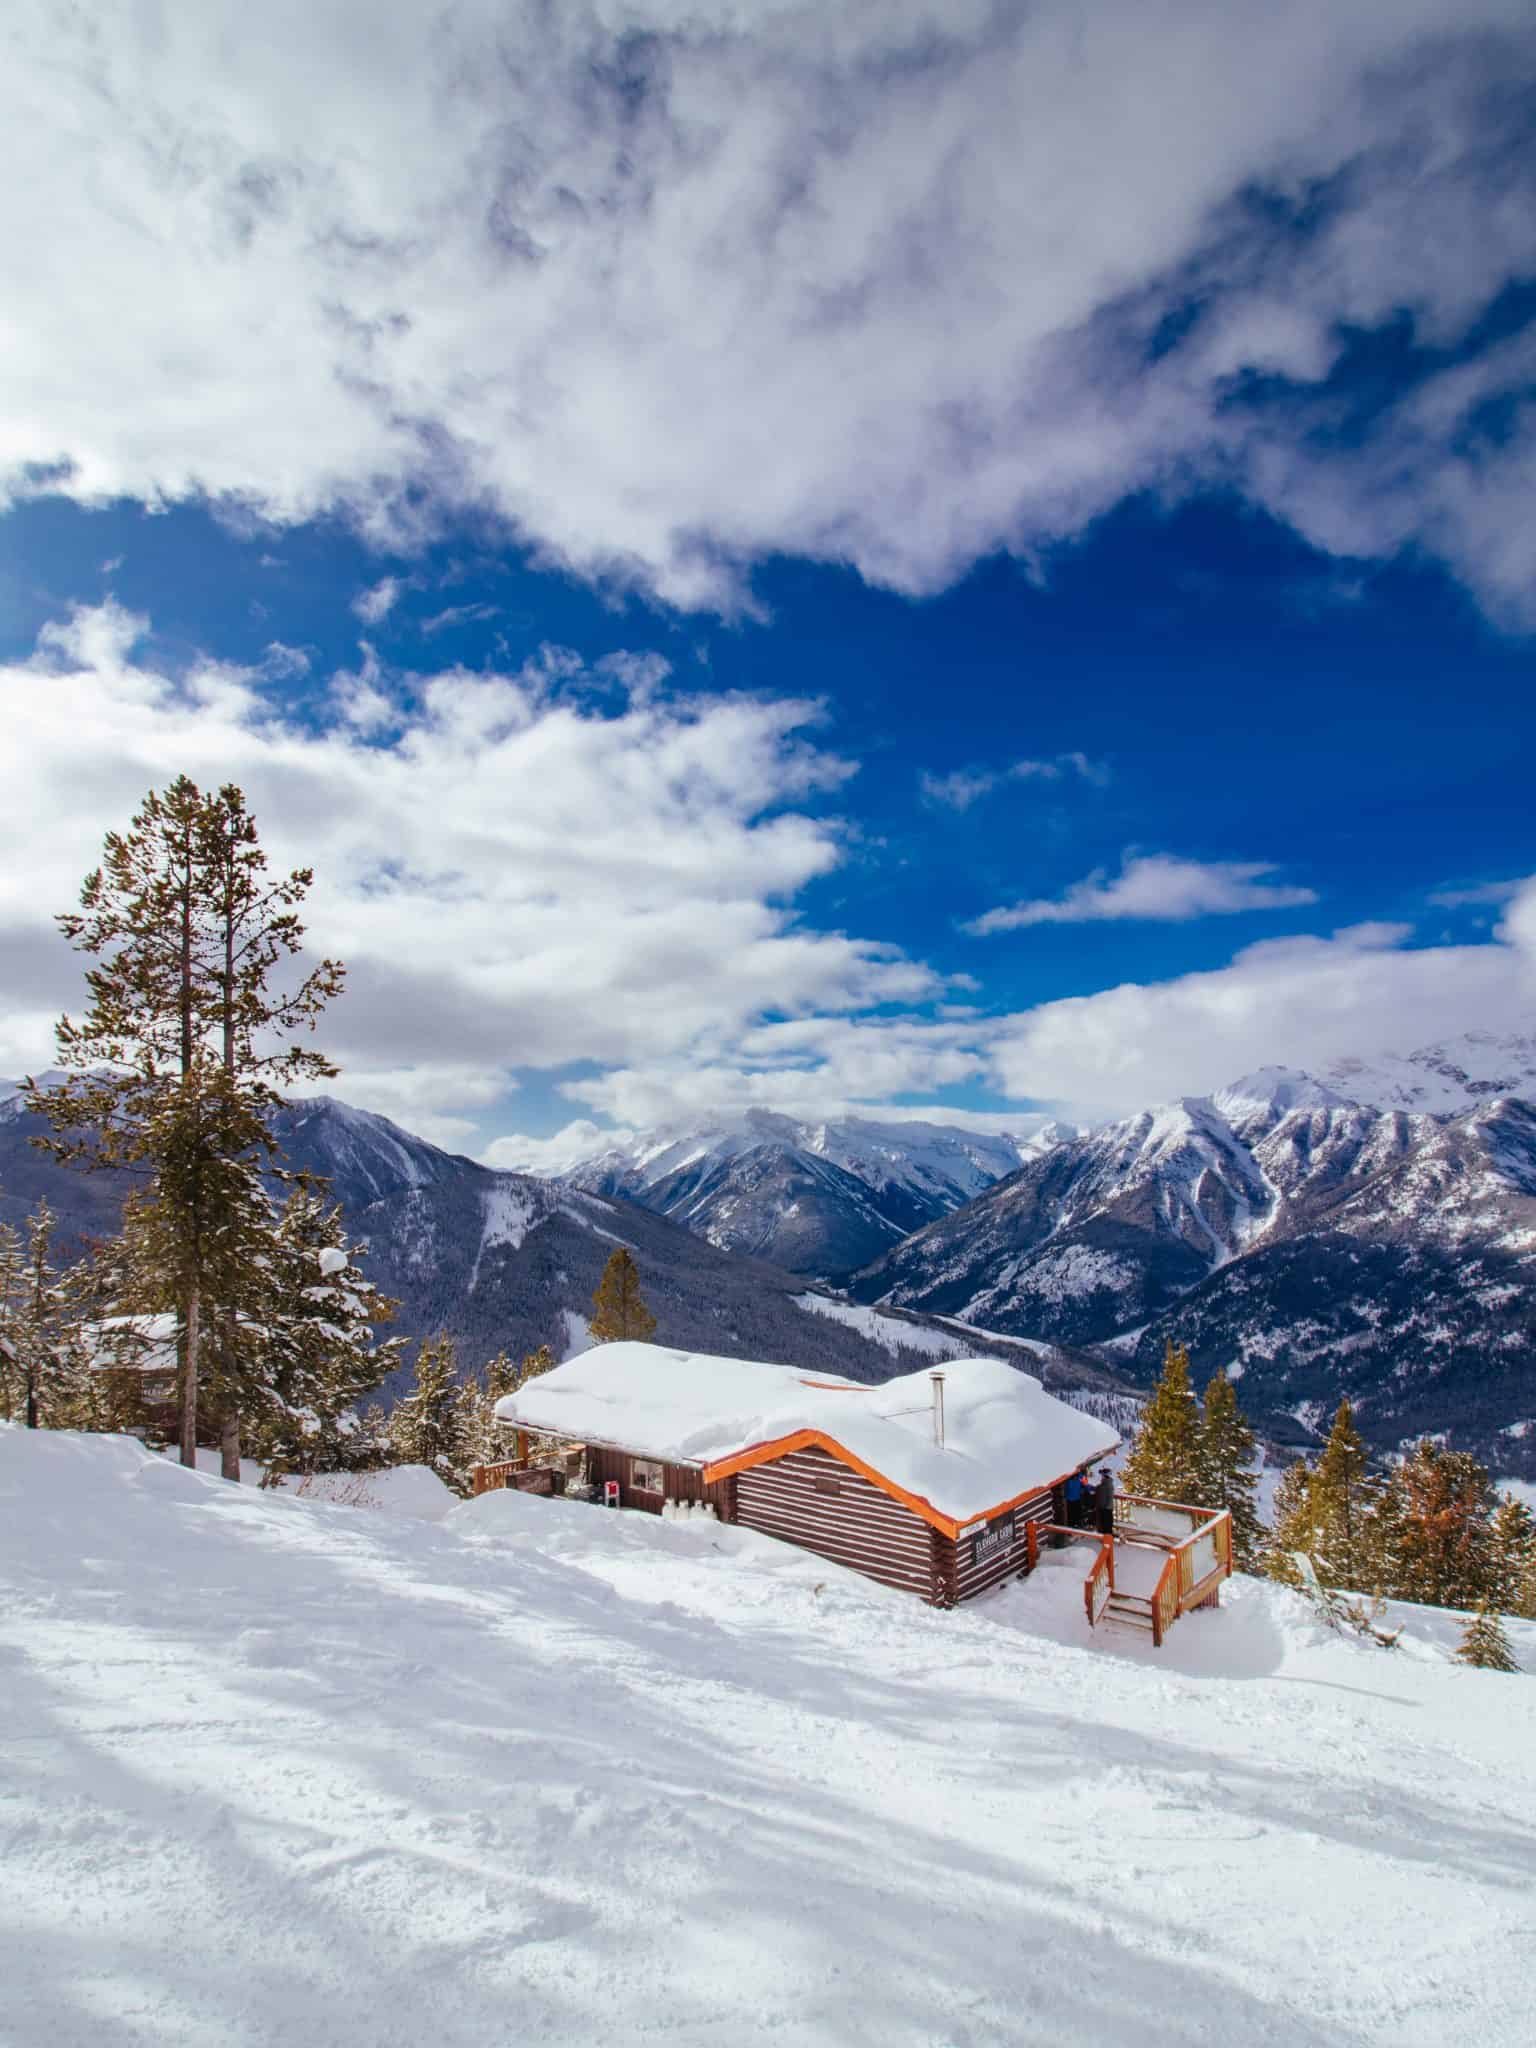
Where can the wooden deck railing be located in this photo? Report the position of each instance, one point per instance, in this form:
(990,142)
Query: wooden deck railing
(1198,1542)
(1100,1582)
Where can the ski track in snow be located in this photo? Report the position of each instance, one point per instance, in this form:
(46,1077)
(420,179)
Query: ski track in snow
(276,1772)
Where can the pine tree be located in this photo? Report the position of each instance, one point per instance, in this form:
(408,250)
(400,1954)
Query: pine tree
(535,1364)
(1293,1530)
(1165,1457)
(317,1358)
(1512,1560)
(427,1428)
(185,1045)
(1342,1501)
(43,1364)
(1227,1480)
(618,1308)
(12,1381)
(1440,1540)
(1484,1643)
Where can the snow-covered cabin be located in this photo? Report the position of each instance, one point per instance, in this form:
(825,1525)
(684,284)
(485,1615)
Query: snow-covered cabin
(928,1482)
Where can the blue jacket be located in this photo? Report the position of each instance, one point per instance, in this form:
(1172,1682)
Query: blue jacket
(1074,1487)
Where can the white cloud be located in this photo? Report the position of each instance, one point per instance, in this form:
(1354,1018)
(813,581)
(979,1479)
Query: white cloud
(1154,886)
(895,283)
(1293,1002)
(1479,893)
(535,869)
(378,601)
(962,787)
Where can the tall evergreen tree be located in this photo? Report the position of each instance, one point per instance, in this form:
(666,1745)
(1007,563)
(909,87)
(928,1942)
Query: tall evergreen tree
(1344,1504)
(1293,1531)
(44,1379)
(428,1426)
(1512,1559)
(12,1383)
(618,1307)
(1484,1643)
(1227,1450)
(1165,1456)
(316,1357)
(189,1037)
(1440,1541)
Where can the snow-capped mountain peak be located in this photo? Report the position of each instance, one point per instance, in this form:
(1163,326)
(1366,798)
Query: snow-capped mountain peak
(817,1197)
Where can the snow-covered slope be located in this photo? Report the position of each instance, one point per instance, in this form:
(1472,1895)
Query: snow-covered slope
(277,1773)
(1444,1079)
(815,1198)
(1315,1244)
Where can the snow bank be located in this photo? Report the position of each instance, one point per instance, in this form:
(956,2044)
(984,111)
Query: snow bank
(543,1773)
(1003,1434)
(398,1490)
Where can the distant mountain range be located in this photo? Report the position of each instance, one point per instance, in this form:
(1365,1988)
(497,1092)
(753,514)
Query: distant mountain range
(1309,1235)
(504,1261)
(815,1198)
(1370,1229)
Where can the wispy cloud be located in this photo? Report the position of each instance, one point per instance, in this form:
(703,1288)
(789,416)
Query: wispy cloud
(1157,887)
(1480,893)
(962,787)
(459,615)
(378,601)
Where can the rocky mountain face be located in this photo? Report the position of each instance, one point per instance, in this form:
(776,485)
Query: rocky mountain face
(1305,1242)
(818,1199)
(506,1261)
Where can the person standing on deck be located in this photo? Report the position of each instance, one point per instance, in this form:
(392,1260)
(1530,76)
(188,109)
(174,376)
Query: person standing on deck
(1104,1502)
(1075,1502)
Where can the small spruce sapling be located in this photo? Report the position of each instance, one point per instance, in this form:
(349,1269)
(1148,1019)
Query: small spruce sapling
(1484,1645)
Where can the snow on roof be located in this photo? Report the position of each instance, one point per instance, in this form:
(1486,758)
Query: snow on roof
(1004,1436)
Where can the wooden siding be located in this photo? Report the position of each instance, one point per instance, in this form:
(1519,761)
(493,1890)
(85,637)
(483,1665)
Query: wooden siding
(964,1577)
(679,1482)
(811,1499)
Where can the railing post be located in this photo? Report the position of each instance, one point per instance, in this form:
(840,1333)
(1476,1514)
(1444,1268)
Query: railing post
(1031,1545)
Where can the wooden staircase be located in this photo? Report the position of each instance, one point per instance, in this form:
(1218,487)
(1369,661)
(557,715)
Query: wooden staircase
(1127,1610)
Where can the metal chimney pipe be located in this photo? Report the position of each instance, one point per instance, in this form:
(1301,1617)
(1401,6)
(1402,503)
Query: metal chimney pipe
(938,1408)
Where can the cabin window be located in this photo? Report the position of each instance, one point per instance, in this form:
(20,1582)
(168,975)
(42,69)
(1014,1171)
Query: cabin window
(645,1477)
(828,1486)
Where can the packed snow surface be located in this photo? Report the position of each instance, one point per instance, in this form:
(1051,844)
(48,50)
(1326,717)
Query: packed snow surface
(276,1773)
(1003,1433)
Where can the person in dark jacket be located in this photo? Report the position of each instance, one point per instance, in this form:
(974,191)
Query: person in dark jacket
(1075,1501)
(1104,1502)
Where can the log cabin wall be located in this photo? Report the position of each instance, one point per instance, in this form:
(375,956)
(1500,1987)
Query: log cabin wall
(1003,1551)
(678,1482)
(811,1499)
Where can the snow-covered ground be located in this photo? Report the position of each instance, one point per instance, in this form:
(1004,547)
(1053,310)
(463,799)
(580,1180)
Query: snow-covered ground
(402,1489)
(273,1772)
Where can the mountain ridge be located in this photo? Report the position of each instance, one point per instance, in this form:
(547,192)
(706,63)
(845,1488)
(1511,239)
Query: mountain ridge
(819,1198)
(1309,1244)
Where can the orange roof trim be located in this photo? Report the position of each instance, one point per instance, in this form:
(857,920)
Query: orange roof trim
(815,1439)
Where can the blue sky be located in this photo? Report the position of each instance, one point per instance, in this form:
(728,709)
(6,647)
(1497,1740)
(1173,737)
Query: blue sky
(860,561)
